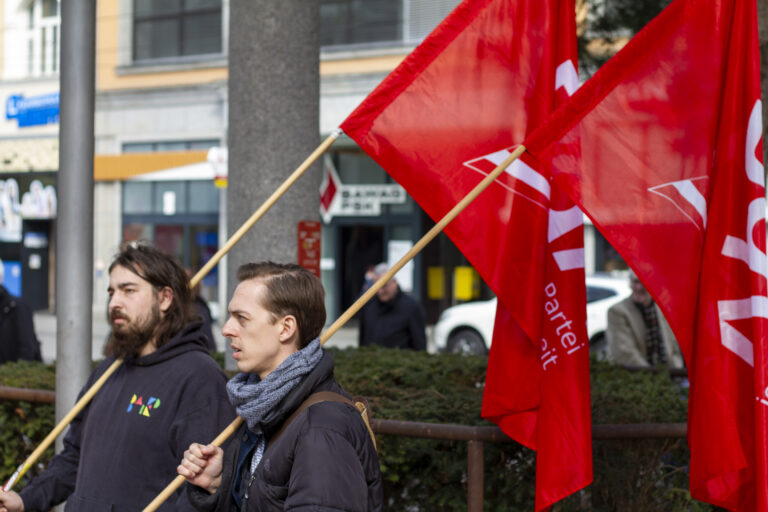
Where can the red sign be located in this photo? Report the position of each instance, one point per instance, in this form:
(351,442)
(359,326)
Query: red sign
(309,245)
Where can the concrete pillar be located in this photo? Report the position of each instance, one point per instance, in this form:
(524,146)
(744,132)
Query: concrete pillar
(273,124)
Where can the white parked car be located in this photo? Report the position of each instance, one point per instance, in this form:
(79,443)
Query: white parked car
(468,328)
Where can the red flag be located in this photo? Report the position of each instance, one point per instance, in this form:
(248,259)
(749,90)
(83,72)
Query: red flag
(550,410)
(662,149)
(442,121)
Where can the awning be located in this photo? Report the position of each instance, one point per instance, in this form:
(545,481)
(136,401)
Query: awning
(130,165)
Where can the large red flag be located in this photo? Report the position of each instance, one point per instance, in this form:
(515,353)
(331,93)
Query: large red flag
(442,121)
(662,149)
(553,371)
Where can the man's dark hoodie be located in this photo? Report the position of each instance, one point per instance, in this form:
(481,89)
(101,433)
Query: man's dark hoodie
(122,450)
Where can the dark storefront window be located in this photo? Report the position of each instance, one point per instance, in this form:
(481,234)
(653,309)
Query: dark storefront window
(28,207)
(355,242)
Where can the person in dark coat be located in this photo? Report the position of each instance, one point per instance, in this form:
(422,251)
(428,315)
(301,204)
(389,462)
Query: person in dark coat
(203,313)
(17,329)
(392,319)
(122,449)
(321,459)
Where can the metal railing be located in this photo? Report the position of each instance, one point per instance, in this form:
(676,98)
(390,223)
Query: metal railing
(27,395)
(476,436)
(473,436)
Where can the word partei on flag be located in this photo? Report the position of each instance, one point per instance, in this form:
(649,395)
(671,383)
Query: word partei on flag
(438,124)
(662,148)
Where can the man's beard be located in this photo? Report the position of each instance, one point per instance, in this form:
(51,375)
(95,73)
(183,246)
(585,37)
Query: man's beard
(126,341)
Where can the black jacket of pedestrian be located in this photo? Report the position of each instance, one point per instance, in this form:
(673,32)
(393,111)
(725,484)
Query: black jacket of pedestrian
(17,330)
(397,323)
(323,461)
(122,450)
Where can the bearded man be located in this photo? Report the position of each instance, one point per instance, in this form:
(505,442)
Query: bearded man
(123,448)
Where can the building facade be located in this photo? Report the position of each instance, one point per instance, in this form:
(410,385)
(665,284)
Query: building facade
(161,105)
(29,147)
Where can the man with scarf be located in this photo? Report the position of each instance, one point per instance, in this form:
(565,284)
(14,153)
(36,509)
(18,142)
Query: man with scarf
(320,459)
(123,448)
(638,334)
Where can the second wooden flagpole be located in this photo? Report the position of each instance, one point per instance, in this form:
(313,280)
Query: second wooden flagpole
(80,405)
(66,420)
(431,234)
(360,302)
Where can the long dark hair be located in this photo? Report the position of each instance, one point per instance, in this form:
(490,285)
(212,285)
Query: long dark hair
(160,270)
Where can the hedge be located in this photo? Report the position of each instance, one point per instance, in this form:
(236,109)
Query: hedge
(24,425)
(425,474)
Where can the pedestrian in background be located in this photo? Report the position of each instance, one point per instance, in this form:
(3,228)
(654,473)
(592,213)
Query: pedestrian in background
(204,313)
(392,318)
(638,334)
(17,329)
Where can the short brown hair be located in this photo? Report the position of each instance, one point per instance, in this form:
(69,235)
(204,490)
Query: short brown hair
(291,290)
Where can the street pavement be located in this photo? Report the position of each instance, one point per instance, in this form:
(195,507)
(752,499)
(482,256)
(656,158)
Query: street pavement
(45,328)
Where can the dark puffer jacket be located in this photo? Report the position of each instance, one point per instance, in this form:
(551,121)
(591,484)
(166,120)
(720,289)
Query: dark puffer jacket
(324,461)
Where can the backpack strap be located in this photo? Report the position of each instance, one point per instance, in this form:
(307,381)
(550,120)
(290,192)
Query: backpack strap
(328,396)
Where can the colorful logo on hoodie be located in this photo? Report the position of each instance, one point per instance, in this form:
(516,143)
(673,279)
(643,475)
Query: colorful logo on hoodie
(143,407)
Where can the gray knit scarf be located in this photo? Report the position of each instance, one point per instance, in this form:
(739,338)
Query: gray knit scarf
(253,398)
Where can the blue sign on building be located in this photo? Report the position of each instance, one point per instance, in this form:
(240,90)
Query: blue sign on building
(33,111)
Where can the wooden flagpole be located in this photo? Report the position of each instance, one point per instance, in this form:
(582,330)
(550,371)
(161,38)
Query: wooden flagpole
(67,419)
(360,302)
(431,234)
(288,183)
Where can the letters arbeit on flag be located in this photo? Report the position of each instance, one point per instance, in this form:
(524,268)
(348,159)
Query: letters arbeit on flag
(438,124)
(663,151)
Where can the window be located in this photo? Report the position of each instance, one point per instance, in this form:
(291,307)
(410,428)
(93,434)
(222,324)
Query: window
(173,145)
(42,39)
(380,22)
(360,21)
(50,8)
(162,198)
(176,28)
(170,197)
(203,197)
(137,197)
